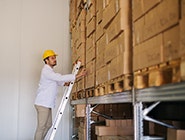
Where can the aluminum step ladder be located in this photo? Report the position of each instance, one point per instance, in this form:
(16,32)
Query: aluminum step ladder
(51,133)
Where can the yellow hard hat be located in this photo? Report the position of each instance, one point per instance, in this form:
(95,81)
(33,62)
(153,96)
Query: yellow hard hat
(48,53)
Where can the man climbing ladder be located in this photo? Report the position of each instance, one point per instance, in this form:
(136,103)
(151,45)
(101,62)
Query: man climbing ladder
(47,92)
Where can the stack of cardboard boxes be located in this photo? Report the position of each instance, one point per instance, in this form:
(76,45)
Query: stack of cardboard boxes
(156,41)
(115,129)
(104,44)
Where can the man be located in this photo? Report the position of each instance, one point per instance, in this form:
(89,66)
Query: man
(47,92)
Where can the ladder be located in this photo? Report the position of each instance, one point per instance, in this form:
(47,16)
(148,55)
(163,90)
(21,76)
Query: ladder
(51,133)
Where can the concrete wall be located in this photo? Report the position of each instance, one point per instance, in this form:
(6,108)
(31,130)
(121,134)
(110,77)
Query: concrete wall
(27,28)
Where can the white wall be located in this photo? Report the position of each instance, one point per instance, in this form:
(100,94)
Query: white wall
(27,28)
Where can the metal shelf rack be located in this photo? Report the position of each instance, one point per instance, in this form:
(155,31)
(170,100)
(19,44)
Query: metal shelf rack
(169,92)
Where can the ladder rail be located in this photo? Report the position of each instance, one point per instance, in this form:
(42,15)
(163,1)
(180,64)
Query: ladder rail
(51,133)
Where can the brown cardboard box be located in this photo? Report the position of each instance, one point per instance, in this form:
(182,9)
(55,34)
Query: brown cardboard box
(81,53)
(81,84)
(99,31)
(120,22)
(138,9)
(91,26)
(109,12)
(106,3)
(90,13)
(169,16)
(82,15)
(100,52)
(110,123)
(90,41)
(182,37)
(80,110)
(158,19)
(90,67)
(171,43)
(99,16)
(112,50)
(148,53)
(106,131)
(126,131)
(138,30)
(99,5)
(115,67)
(183,9)
(147,5)
(101,75)
(151,24)
(90,54)
(90,80)
(173,134)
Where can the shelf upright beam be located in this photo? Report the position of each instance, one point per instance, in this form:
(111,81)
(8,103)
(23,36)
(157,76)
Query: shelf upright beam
(138,121)
(88,122)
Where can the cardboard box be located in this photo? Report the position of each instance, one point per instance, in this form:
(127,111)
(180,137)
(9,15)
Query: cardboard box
(115,67)
(120,22)
(99,16)
(148,53)
(106,131)
(81,53)
(173,134)
(138,30)
(100,52)
(90,80)
(82,15)
(90,67)
(126,131)
(90,13)
(81,84)
(150,27)
(171,43)
(183,9)
(169,16)
(99,31)
(101,75)
(112,50)
(182,37)
(90,54)
(109,12)
(91,26)
(147,5)
(90,41)
(138,9)
(110,123)
(99,5)
(80,110)
(158,19)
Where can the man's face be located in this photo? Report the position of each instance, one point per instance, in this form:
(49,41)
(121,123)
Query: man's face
(51,61)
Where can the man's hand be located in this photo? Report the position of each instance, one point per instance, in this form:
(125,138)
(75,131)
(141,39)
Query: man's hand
(66,83)
(82,73)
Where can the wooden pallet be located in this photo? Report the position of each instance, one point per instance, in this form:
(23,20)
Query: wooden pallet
(101,90)
(74,96)
(81,94)
(164,73)
(90,92)
(120,84)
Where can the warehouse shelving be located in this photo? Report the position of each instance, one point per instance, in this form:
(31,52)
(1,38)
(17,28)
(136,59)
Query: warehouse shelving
(169,92)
